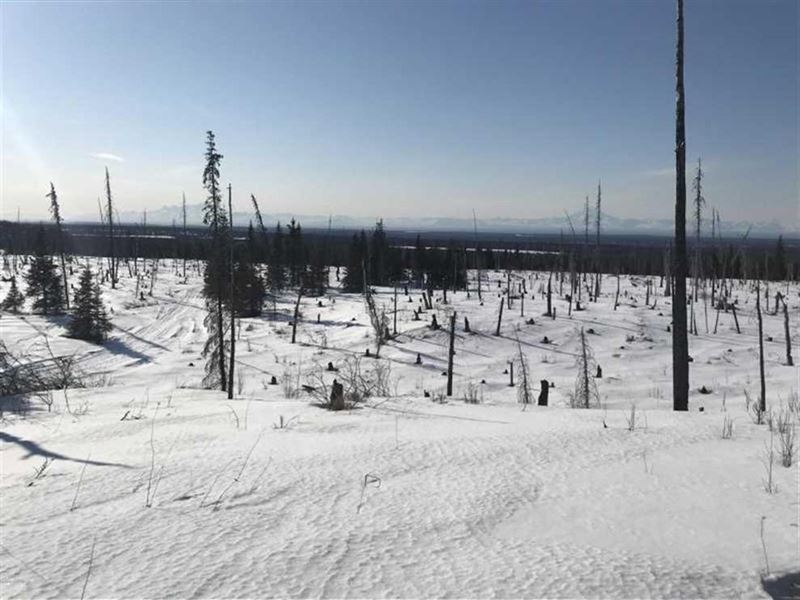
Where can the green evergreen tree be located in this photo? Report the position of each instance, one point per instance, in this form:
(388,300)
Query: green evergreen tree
(44,283)
(89,319)
(250,289)
(316,280)
(216,271)
(296,253)
(779,270)
(377,271)
(14,300)
(356,262)
(276,274)
(55,211)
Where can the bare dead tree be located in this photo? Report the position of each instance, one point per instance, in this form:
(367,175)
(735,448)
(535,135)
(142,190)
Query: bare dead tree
(499,317)
(477,254)
(377,318)
(585,394)
(183,214)
(680,341)
(524,391)
(451,353)
(787,333)
(598,217)
(598,214)
(112,261)
(586,222)
(232,297)
(763,399)
(296,312)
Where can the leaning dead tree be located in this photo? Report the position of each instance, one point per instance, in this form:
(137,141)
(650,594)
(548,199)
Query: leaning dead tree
(680,340)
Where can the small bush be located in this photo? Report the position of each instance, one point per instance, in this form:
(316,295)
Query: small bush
(472,393)
(786,437)
(727,428)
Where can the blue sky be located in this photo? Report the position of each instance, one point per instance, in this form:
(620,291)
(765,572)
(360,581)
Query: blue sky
(400,108)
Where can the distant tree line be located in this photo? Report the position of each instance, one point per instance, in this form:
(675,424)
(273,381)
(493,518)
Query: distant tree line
(305,255)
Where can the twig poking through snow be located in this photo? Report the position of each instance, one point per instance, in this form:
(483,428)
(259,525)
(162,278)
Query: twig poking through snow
(149,500)
(764,544)
(369,479)
(239,474)
(80,481)
(89,570)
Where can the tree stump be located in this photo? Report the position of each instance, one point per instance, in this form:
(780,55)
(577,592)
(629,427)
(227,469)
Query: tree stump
(544,392)
(337,396)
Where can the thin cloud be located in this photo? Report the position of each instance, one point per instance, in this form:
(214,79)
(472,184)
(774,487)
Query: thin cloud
(106,156)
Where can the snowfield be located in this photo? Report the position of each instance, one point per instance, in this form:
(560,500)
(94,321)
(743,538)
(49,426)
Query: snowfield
(146,485)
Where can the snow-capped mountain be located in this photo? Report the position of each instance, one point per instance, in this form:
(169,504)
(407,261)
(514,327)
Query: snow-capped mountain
(612,224)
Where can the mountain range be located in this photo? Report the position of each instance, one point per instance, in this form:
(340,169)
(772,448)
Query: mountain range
(611,224)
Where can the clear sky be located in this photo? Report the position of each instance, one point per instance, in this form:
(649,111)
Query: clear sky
(400,108)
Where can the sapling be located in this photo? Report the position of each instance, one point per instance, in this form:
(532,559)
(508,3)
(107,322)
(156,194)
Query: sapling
(768,461)
(585,395)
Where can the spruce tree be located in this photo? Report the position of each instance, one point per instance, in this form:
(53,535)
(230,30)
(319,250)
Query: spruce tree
(779,268)
(378,256)
(89,320)
(250,289)
(14,300)
(316,280)
(216,269)
(276,275)
(44,283)
(296,253)
(356,261)
(55,211)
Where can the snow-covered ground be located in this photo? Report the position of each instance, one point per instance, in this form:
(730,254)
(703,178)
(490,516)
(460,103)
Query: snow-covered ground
(159,488)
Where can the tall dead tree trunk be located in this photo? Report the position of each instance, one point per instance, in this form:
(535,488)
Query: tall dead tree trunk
(297,314)
(477,255)
(786,332)
(394,312)
(110,211)
(451,353)
(680,340)
(762,401)
(499,317)
(232,297)
(183,214)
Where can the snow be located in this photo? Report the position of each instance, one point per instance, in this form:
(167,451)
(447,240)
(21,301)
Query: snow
(402,496)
